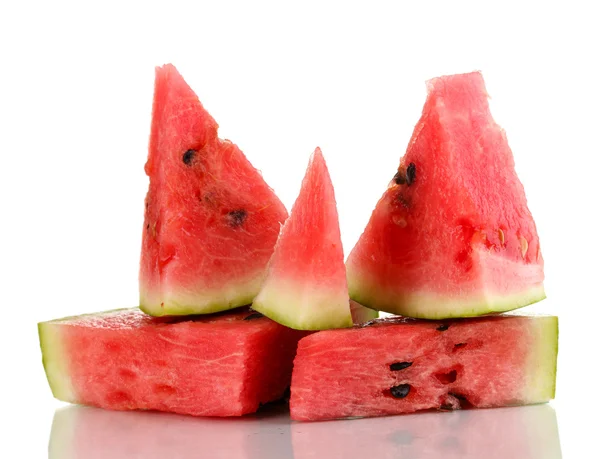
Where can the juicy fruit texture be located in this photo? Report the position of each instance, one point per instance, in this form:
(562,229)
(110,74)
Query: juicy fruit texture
(400,365)
(219,365)
(306,284)
(211,221)
(452,236)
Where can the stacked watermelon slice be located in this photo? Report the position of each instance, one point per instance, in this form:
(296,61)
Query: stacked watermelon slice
(233,292)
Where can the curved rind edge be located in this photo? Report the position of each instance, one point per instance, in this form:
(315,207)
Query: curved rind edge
(55,362)
(268,303)
(208,302)
(435,307)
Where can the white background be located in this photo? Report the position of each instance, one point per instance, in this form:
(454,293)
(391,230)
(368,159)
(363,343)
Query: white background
(75,98)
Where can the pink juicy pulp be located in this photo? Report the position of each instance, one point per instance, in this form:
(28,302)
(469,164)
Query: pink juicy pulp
(213,366)
(309,250)
(190,238)
(422,236)
(346,373)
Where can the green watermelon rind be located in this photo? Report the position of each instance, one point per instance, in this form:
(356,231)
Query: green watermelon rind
(205,303)
(174,308)
(437,306)
(55,363)
(540,384)
(319,316)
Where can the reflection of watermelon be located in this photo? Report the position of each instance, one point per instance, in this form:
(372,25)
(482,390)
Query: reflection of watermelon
(211,221)
(399,365)
(80,432)
(306,284)
(527,432)
(452,235)
(221,365)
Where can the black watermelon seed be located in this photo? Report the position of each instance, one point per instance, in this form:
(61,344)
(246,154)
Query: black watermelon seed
(147,226)
(254,315)
(188,157)
(400,366)
(400,178)
(411,173)
(237,217)
(459,345)
(443,327)
(400,391)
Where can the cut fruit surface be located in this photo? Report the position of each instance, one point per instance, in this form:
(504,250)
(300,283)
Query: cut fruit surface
(306,284)
(215,365)
(452,236)
(211,221)
(401,365)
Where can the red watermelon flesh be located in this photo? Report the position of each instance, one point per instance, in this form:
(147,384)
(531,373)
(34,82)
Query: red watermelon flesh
(218,365)
(306,284)
(452,235)
(401,365)
(211,221)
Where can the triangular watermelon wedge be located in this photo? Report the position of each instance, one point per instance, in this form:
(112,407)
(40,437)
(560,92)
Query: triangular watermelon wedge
(452,235)
(306,286)
(211,221)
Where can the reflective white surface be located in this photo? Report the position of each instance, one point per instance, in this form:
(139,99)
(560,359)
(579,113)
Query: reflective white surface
(522,432)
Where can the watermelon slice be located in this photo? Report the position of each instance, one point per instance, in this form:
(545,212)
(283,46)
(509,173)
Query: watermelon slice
(504,433)
(211,221)
(401,365)
(452,235)
(219,365)
(306,284)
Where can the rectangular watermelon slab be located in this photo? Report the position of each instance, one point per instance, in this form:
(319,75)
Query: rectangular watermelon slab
(218,365)
(401,365)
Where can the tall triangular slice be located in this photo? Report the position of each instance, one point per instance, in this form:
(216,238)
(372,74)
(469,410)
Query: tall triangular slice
(452,235)
(306,285)
(211,221)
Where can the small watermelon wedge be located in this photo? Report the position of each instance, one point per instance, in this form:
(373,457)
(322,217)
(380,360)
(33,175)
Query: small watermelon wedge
(212,365)
(452,236)
(402,365)
(306,284)
(211,221)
